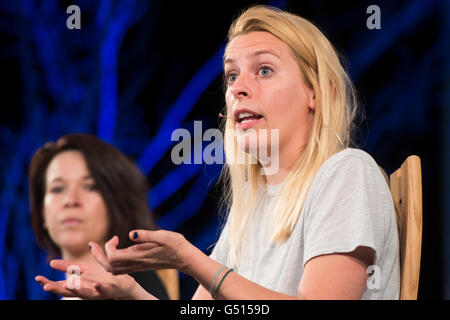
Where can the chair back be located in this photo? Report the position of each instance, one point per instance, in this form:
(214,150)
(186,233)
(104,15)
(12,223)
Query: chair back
(406,189)
(170,279)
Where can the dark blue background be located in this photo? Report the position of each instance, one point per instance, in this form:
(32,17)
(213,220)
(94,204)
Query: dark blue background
(137,70)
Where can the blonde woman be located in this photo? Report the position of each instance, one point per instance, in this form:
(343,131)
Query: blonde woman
(322,226)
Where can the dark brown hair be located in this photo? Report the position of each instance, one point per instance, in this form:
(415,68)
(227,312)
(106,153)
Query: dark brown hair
(119,181)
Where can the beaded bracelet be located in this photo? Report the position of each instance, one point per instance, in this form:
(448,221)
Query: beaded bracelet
(220,283)
(211,289)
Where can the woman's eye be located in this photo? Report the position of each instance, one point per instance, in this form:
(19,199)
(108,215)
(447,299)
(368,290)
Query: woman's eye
(265,71)
(231,77)
(91,187)
(56,189)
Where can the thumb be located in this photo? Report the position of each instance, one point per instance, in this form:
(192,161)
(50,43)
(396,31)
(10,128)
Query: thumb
(111,246)
(99,255)
(147,236)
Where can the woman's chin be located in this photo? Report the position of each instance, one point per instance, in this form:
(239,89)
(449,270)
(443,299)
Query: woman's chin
(74,245)
(257,152)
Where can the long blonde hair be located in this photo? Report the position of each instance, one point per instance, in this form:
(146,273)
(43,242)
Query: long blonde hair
(332,130)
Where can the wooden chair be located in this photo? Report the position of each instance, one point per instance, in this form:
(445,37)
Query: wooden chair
(406,188)
(170,279)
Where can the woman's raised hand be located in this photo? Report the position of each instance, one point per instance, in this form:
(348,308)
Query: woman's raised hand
(109,279)
(154,250)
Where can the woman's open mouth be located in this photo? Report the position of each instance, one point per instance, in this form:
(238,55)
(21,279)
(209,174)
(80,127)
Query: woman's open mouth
(246,119)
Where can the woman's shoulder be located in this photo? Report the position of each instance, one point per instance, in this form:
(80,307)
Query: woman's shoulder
(350,161)
(351,153)
(349,158)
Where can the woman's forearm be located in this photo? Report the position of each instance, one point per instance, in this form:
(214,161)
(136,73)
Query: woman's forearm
(234,286)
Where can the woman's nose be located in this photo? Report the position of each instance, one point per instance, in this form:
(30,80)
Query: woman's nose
(241,88)
(72,198)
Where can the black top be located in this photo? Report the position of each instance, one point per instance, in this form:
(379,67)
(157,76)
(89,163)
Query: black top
(151,283)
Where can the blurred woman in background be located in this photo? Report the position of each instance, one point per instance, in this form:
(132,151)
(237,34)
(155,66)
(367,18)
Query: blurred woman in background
(83,189)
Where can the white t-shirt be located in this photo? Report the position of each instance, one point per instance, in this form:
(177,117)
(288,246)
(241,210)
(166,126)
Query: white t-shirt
(349,204)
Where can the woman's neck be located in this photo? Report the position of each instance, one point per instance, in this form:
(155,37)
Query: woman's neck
(286,160)
(78,257)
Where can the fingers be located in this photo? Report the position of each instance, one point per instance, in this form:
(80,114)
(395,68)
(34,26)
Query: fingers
(134,253)
(59,290)
(66,266)
(42,280)
(84,289)
(131,268)
(111,246)
(56,287)
(100,256)
(148,236)
(141,260)
(140,247)
(81,288)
